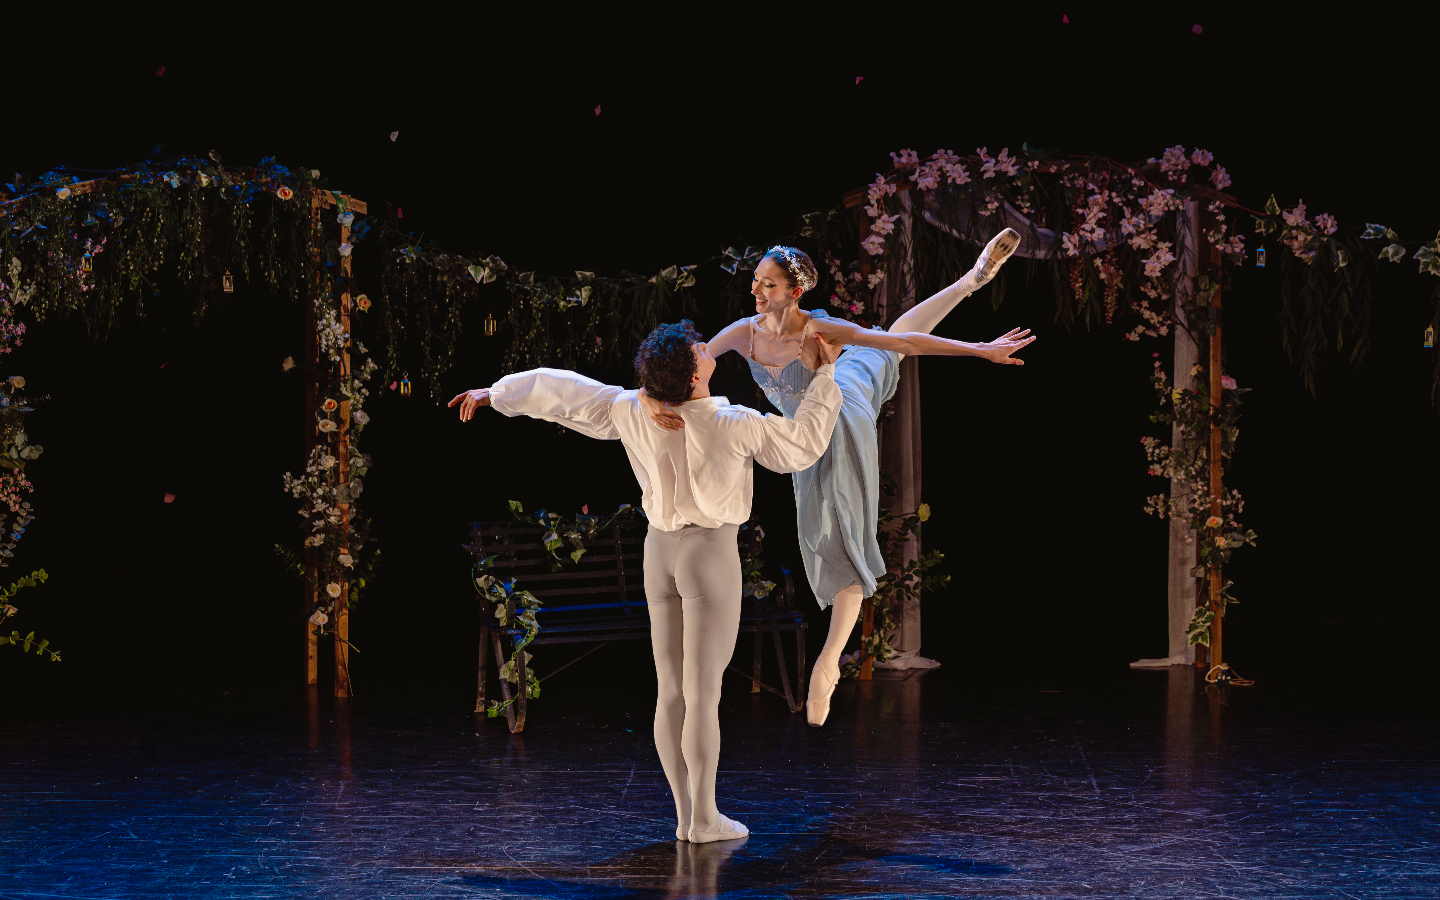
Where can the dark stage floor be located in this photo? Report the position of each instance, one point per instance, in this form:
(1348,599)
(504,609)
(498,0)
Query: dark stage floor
(1137,785)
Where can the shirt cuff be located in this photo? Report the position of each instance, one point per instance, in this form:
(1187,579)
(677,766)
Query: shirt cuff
(496,392)
(827,369)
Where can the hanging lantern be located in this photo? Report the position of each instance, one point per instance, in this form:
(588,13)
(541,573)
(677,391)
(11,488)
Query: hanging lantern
(1259,257)
(1429,337)
(405,386)
(489,325)
(227,282)
(85,264)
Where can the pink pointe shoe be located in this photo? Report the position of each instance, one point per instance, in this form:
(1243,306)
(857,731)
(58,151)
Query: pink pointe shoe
(1001,247)
(817,701)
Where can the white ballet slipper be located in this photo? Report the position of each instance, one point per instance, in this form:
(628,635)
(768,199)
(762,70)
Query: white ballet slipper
(729,830)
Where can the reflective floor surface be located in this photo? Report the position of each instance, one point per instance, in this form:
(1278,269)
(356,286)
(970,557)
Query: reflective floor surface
(1145,784)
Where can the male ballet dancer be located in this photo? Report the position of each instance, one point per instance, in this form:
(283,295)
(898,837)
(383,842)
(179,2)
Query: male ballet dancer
(695,488)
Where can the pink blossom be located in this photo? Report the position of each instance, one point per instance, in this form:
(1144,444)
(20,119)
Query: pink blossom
(874,244)
(1142,240)
(1220,178)
(1158,260)
(905,159)
(1201,157)
(1070,243)
(1007,164)
(957,174)
(1227,382)
(1326,223)
(1175,162)
(927,177)
(1159,202)
(884,224)
(1295,216)
(987,162)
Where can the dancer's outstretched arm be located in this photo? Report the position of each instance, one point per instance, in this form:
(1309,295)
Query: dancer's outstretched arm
(916,343)
(555,395)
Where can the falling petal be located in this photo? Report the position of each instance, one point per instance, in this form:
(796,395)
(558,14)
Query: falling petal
(394,136)
(1197,29)
(169,498)
(1064,19)
(597,109)
(859,78)
(160,72)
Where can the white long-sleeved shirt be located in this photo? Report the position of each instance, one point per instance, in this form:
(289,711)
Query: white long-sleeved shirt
(698,475)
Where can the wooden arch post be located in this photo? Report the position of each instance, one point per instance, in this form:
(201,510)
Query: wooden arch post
(1217,604)
(324,292)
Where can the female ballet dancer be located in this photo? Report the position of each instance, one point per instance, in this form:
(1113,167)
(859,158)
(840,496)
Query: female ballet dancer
(837,501)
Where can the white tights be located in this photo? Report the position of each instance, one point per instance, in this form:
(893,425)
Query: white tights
(692,589)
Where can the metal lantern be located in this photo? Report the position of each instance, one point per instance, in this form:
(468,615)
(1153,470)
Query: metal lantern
(1259,257)
(489,325)
(1429,337)
(227,282)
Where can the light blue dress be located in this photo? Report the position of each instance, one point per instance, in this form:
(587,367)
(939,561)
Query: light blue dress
(837,500)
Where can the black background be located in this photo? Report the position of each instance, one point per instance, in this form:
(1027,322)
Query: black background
(1035,473)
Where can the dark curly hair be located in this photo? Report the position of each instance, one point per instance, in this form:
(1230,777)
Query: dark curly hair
(664,364)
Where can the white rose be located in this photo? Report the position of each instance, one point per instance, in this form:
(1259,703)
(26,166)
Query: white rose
(333,589)
(347,560)
(327,425)
(318,618)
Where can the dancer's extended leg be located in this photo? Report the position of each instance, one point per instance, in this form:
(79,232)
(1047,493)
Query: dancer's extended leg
(707,574)
(667,641)
(826,673)
(924,316)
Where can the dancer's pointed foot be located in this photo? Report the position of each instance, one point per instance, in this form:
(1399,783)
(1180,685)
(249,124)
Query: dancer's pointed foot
(727,830)
(1001,247)
(822,684)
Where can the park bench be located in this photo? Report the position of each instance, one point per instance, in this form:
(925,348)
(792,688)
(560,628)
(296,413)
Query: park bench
(600,600)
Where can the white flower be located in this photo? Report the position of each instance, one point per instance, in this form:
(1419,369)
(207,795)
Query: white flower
(1220,178)
(333,589)
(884,224)
(360,417)
(345,248)
(327,425)
(17,381)
(326,461)
(346,560)
(346,218)
(874,244)
(318,617)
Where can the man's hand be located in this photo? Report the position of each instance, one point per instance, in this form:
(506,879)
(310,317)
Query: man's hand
(999,350)
(470,401)
(661,413)
(828,352)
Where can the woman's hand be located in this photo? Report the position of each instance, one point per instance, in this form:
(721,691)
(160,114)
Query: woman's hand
(1000,350)
(470,401)
(661,413)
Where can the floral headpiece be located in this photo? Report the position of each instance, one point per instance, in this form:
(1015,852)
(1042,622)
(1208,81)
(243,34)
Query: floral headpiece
(792,265)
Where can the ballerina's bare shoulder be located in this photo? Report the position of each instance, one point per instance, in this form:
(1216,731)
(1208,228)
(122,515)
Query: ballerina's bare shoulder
(776,351)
